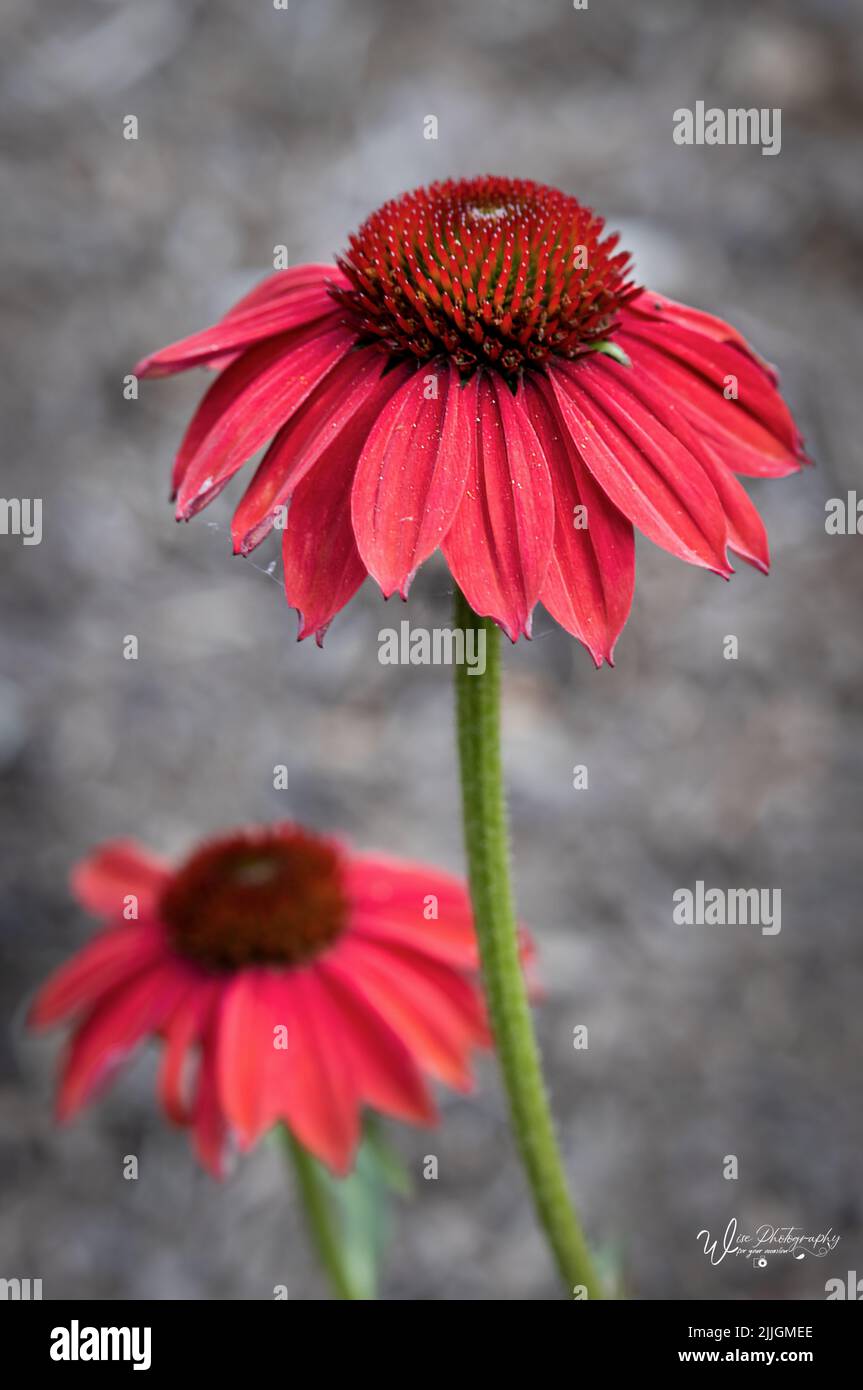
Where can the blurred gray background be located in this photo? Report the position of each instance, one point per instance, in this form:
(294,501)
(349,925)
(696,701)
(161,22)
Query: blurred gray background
(260,127)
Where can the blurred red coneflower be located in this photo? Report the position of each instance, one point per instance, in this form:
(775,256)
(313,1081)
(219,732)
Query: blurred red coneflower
(310,981)
(479,373)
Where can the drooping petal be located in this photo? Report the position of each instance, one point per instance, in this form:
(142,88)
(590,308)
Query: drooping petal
(261,1080)
(377,882)
(239,331)
(433,1010)
(321,564)
(746,533)
(134,1009)
(209,1126)
(743,441)
(229,386)
(642,467)
(660,309)
(590,581)
(499,545)
(247,404)
(439,941)
(247,1057)
(291,281)
(412,905)
(411,475)
(317,1095)
(386,1075)
(353,383)
(104,881)
(417,906)
(750,424)
(95,970)
(189,1022)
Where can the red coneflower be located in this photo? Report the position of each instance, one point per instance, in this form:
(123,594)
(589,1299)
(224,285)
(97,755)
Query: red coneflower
(309,980)
(480,374)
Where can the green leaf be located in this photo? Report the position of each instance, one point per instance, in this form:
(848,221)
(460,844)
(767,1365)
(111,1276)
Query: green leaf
(361,1207)
(609,1261)
(611,349)
(388,1165)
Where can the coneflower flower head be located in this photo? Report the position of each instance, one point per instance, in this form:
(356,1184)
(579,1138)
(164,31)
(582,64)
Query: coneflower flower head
(288,979)
(484,271)
(481,374)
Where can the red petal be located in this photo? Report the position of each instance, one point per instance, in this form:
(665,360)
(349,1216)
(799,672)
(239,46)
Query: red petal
(239,331)
(439,941)
(317,1094)
(134,1009)
(210,1131)
(322,566)
(115,871)
(286,282)
(95,971)
(386,1075)
(411,475)
(589,585)
(247,404)
(434,1011)
(743,440)
(643,468)
(228,387)
(300,443)
(389,899)
(746,533)
(247,1060)
(306,1084)
(281,287)
(188,1023)
(657,308)
(499,545)
(756,429)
